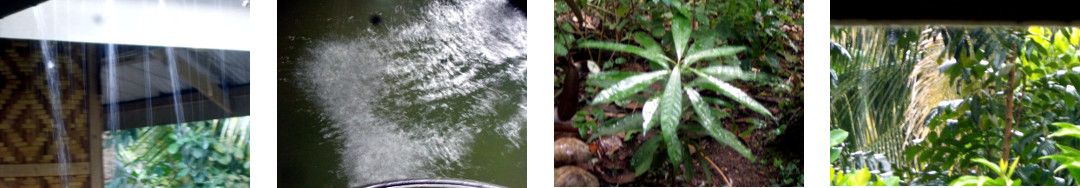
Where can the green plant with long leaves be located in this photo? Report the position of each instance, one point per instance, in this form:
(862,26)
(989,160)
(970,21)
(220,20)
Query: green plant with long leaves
(666,108)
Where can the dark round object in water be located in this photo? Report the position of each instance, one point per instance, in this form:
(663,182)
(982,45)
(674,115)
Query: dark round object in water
(573,176)
(375,19)
(519,5)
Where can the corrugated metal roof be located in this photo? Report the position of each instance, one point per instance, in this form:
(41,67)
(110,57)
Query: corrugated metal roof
(141,75)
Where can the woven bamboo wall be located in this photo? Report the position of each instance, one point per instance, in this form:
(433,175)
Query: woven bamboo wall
(26,126)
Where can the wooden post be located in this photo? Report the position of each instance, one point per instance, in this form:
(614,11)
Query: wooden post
(93,69)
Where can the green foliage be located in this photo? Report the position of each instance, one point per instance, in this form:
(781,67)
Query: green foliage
(836,137)
(667,108)
(643,156)
(875,73)
(871,70)
(1003,170)
(981,60)
(790,174)
(1069,156)
(213,153)
(859,178)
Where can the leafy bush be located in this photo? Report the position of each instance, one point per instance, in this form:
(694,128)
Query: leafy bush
(666,108)
(213,153)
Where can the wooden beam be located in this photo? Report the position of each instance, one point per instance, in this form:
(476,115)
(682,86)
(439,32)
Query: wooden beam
(97,179)
(37,170)
(193,76)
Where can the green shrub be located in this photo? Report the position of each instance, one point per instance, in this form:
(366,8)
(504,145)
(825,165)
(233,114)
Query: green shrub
(666,108)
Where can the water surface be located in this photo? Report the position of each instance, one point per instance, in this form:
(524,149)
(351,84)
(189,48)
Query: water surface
(436,90)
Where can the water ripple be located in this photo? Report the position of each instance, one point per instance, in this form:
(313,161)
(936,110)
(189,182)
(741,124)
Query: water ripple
(408,103)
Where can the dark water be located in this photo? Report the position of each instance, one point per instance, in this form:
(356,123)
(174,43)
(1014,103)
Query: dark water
(436,89)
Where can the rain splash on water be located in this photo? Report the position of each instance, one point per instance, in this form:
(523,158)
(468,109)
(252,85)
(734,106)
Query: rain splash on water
(407,101)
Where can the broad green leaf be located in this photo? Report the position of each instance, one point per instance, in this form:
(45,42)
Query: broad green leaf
(628,123)
(198,152)
(657,57)
(225,159)
(219,147)
(627,87)
(239,153)
(837,136)
(643,156)
(173,148)
(834,153)
(560,49)
(183,173)
(714,128)
(607,78)
(670,112)
(647,41)
(1067,129)
(986,163)
(732,92)
(861,177)
(680,7)
(680,30)
(711,53)
(649,114)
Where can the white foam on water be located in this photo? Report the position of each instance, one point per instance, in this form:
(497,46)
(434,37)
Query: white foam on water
(407,103)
